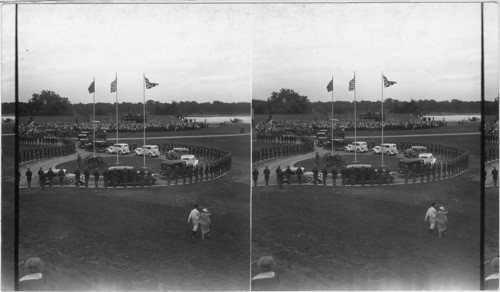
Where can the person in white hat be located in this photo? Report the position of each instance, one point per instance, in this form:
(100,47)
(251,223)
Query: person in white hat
(205,223)
(441,220)
(194,217)
(34,280)
(491,282)
(431,215)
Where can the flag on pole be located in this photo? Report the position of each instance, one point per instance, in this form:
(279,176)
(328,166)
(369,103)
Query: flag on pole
(329,87)
(388,83)
(352,84)
(150,85)
(91,87)
(114,85)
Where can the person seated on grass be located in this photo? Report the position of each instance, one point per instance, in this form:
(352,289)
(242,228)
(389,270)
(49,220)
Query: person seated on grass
(491,282)
(267,279)
(34,280)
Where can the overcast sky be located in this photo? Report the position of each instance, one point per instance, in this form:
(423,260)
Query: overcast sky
(235,52)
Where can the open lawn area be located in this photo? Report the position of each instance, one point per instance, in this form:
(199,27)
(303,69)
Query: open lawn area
(139,239)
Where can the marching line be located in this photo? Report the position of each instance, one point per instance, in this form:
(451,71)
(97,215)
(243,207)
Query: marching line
(420,135)
(181,137)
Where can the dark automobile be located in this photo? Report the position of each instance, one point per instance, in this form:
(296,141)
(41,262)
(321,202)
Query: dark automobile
(411,166)
(307,176)
(367,168)
(168,166)
(414,151)
(120,171)
(100,146)
(338,144)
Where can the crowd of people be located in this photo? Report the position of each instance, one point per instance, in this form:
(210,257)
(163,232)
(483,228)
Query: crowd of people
(309,128)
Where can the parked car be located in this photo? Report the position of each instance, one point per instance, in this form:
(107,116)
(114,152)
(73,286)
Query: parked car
(411,166)
(120,148)
(414,151)
(69,178)
(359,168)
(359,147)
(428,158)
(119,172)
(148,150)
(189,159)
(386,148)
(169,166)
(338,144)
(307,176)
(176,153)
(100,146)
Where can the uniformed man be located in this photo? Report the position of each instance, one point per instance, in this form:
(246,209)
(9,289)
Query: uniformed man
(315,174)
(77,177)
(50,176)
(41,179)
(255,176)
(61,175)
(86,175)
(334,176)
(325,174)
(267,173)
(288,174)
(28,174)
(96,178)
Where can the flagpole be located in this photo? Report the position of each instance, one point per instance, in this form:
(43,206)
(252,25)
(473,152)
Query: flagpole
(382,117)
(331,141)
(116,94)
(355,149)
(93,122)
(144,117)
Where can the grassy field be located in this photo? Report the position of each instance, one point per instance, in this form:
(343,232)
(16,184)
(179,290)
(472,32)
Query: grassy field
(374,237)
(139,239)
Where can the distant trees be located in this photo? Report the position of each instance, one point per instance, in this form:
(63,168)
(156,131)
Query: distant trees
(48,103)
(289,102)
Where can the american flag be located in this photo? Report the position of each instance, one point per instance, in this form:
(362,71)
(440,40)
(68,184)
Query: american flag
(329,87)
(150,85)
(92,87)
(352,84)
(388,83)
(114,85)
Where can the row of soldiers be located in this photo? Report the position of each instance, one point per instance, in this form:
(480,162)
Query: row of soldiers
(196,173)
(197,150)
(366,175)
(45,141)
(45,152)
(491,139)
(282,151)
(109,177)
(444,169)
(276,138)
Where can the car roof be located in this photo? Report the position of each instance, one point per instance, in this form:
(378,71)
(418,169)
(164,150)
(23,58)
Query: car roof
(181,149)
(121,167)
(173,162)
(187,156)
(122,144)
(150,146)
(359,166)
(389,144)
(418,147)
(425,154)
(408,160)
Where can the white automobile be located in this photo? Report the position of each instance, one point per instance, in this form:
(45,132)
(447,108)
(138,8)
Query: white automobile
(427,158)
(359,147)
(120,148)
(148,150)
(386,148)
(190,160)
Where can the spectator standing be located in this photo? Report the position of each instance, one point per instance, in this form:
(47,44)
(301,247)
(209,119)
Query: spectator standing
(431,215)
(325,174)
(266,280)
(205,223)
(299,173)
(41,179)
(494,173)
(194,218)
(50,176)
(86,175)
(255,176)
(288,173)
(61,175)
(96,178)
(267,173)
(334,176)
(441,220)
(77,177)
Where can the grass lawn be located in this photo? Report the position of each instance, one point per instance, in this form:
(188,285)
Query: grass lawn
(374,237)
(139,239)
(368,238)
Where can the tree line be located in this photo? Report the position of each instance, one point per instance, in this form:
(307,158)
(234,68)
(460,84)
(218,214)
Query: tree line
(49,103)
(288,101)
